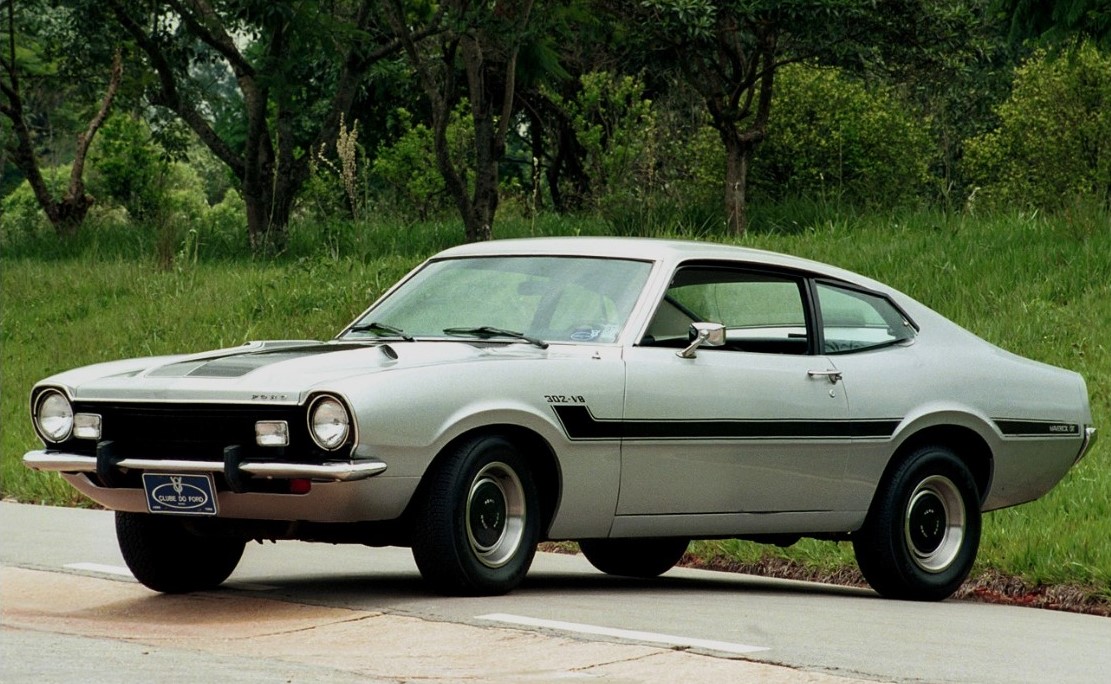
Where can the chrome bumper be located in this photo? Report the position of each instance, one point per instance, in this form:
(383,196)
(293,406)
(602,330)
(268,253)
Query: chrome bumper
(1086,445)
(346,471)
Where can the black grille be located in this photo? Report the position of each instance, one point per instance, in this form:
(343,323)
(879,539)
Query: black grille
(195,431)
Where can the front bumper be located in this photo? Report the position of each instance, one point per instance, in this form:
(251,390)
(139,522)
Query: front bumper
(345,471)
(342,492)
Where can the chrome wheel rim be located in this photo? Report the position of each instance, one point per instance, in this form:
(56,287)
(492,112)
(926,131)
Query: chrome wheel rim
(934,523)
(495,515)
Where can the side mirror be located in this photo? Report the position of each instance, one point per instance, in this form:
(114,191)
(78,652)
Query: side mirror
(703,334)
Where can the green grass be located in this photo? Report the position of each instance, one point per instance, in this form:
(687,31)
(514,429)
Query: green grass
(1039,286)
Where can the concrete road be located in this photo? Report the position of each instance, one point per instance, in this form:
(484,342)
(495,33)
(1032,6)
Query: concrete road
(296,612)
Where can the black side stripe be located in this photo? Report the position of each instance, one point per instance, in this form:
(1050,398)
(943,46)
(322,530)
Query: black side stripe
(1036,428)
(579,423)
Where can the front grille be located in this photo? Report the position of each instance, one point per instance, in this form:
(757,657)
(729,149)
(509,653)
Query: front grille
(195,431)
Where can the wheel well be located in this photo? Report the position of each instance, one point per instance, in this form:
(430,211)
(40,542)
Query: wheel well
(966,443)
(539,453)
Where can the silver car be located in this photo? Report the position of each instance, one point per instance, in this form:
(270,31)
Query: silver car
(627,394)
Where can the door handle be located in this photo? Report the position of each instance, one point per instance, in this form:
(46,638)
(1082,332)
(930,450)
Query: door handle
(831,374)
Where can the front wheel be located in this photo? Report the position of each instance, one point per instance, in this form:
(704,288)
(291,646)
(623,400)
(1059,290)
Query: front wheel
(634,557)
(922,533)
(478,522)
(166,556)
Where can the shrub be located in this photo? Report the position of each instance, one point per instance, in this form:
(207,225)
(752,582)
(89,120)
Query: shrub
(646,162)
(615,125)
(407,167)
(128,166)
(830,134)
(1053,145)
(21,215)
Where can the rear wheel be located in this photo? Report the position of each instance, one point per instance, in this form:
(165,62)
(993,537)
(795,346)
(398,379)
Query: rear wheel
(922,533)
(478,523)
(634,557)
(166,556)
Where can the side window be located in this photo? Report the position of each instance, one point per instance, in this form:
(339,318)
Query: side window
(854,321)
(762,313)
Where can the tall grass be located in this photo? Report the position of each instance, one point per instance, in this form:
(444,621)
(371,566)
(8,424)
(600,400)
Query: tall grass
(1039,286)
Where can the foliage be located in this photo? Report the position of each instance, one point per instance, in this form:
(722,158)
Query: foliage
(407,165)
(830,134)
(1058,22)
(20,211)
(614,122)
(1053,145)
(297,66)
(129,167)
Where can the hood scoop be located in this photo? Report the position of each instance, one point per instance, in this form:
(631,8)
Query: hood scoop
(238,365)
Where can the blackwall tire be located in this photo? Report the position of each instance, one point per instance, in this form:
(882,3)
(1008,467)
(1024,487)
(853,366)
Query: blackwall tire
(920,538)
(634,557)
(164,555)
(478,522)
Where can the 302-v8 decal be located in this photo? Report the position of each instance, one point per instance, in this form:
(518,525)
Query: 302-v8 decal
(564,399)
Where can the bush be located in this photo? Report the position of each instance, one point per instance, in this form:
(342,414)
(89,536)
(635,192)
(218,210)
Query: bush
(1053,146)
(830,135)
(647,163)
(128,166)
(21,215)
(407,167)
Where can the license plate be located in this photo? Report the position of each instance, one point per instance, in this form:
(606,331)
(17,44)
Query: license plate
(180,494)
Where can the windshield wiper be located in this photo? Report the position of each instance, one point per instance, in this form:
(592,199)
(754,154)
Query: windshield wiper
(487,332)
(376,327)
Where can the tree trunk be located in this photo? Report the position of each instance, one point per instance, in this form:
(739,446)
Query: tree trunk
(737,154)
(68,214)
(482,51)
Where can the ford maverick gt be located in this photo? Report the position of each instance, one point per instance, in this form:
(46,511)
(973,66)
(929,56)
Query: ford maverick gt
(627,394)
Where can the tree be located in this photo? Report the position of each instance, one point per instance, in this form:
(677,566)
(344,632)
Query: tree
(480,41)
(729,52)
(1058,22)
(298,67)
(68,213)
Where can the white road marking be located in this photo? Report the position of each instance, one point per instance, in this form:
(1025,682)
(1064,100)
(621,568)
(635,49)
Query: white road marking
(632,635)
(101,568)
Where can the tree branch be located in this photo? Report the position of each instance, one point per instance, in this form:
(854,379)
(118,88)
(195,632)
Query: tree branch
(168,95)
(209,30)
(76,184)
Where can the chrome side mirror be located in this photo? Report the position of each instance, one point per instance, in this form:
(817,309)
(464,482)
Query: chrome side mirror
(703,334)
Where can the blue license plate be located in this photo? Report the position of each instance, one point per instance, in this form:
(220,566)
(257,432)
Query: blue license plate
(180,494)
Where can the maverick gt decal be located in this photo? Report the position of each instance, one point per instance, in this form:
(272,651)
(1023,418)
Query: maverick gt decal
(1036,428)
(580,424)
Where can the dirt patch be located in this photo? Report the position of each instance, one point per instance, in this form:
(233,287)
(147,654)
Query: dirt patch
(990,586)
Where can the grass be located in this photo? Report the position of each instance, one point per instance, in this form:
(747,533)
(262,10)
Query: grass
(1039,286)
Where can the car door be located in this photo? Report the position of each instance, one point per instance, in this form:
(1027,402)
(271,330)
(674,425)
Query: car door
(871,341)
(758,425)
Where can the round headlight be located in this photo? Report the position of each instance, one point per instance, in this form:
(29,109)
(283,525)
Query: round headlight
(54,416)
(329,423)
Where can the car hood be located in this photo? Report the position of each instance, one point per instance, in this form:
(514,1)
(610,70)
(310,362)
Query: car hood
(273,372)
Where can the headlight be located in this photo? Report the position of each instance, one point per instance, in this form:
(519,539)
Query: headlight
(329,422)
(53,416)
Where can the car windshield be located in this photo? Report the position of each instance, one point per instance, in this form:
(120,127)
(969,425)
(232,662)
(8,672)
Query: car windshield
(511,298)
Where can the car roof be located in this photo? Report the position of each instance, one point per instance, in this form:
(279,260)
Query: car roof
(652,249)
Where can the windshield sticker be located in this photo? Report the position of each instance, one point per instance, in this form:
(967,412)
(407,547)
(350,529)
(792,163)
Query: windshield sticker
(586,334)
